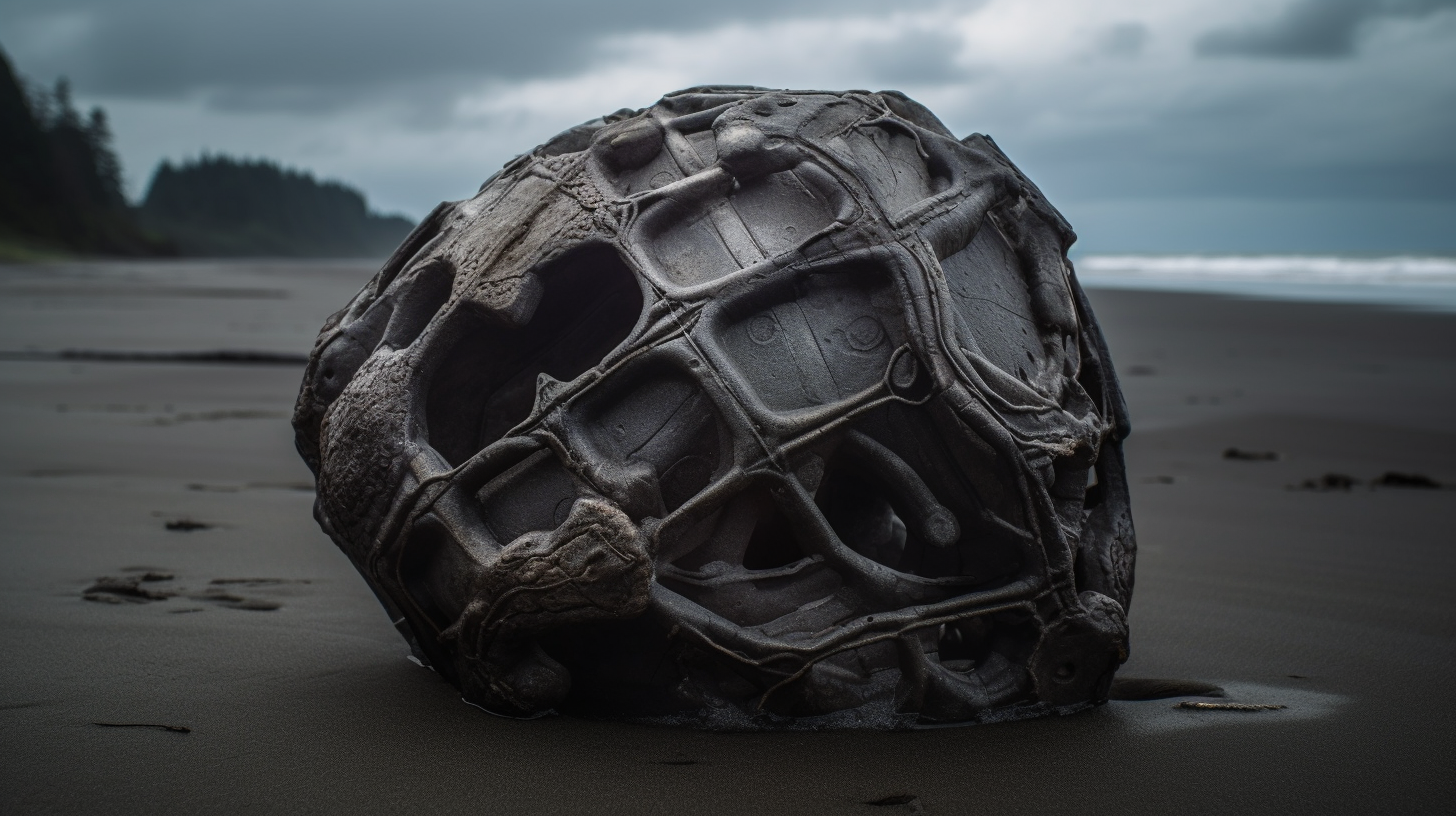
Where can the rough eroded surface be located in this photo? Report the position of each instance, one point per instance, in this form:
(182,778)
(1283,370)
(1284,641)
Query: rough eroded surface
(748,408)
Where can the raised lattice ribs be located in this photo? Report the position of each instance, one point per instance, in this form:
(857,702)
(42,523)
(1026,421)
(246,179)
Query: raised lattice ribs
(751,407)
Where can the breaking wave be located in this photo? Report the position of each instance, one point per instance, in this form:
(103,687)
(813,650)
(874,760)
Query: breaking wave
(1323,269)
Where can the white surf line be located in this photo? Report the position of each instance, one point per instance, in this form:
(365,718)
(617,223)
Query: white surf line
(1327,269)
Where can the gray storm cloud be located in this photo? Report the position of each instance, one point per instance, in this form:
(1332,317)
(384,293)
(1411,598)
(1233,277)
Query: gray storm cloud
(170,47)
(1317,112)
(1314,28)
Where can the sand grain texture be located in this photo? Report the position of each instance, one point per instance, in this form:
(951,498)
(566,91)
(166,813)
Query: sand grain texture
(1336,604)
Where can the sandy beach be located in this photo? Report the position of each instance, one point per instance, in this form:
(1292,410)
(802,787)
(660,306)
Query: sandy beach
(287,690)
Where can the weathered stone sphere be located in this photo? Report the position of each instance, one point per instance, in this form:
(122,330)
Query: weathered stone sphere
(750,408)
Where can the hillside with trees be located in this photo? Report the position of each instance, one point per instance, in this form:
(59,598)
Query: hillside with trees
(60,181)
(61,195)
(220,206)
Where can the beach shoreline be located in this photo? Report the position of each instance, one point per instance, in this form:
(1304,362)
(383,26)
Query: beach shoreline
(1330,599)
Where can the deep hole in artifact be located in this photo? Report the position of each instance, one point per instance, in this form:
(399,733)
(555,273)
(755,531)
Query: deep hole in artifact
(772,543)
(964,643)
(486,383)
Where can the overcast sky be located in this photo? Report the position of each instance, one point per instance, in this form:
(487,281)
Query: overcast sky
(1154,125)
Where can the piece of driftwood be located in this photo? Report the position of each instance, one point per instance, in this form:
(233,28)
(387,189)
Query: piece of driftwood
(748,408)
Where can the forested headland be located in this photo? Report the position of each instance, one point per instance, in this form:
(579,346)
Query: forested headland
(219,206)
(61,195)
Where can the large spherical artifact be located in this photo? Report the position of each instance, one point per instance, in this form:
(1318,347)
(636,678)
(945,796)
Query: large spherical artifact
(750,408)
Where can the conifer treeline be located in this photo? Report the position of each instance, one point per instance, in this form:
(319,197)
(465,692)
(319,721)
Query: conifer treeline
(60,182)
(61,193)
(217,205)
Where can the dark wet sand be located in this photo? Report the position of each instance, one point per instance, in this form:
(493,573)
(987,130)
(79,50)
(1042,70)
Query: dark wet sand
(1339,605)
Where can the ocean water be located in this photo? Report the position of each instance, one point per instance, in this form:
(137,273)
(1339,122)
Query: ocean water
(1405,281)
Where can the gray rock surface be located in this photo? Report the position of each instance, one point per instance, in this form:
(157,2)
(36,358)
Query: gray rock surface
(748,409)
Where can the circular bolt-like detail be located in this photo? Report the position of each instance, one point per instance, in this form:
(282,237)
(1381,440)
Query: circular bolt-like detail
(865,333)
(762,329)
(941,528)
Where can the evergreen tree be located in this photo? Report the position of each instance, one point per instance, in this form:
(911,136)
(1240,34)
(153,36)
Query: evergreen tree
(61,191)
(108,166)
(60,180)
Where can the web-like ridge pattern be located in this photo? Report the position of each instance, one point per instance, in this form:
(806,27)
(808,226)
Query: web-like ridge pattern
(748,408)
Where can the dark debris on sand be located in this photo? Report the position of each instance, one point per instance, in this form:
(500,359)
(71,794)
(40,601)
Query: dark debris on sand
(129,589)
(1341,482)
(1419,481)
(124,590)
(1327,482)
(258,581)
(148,575)
(1250,456)
(908,802)
(1199,705)
(231,601)
(187,525)
(176,729)
(213,356)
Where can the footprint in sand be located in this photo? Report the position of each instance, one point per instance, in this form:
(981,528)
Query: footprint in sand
(148,585)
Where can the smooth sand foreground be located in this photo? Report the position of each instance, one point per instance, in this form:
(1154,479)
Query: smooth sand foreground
(1336,604)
